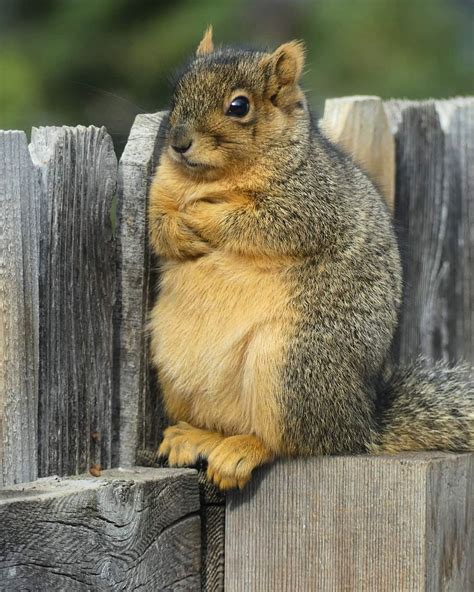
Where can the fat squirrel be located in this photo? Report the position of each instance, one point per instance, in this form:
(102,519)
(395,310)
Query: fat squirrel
(280,284)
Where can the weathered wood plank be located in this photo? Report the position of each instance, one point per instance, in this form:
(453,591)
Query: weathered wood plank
(359,126)
(457,119)
(78,171)
(19,196)
(360,523)
(139,411)
(434,215)
(127,530)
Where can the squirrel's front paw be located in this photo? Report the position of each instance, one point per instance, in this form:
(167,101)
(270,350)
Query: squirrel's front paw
(230,465)
(206,217)
(184,444)
(177,446)
(171,238)
(188,243)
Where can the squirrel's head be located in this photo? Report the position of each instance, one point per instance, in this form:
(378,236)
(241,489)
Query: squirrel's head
(230,106)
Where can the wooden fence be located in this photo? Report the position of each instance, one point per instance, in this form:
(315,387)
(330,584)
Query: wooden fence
(77,392)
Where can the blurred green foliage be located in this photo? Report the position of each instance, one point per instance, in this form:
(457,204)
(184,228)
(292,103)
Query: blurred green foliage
(103,61)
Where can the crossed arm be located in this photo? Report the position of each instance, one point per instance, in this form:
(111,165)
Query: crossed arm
(248,225)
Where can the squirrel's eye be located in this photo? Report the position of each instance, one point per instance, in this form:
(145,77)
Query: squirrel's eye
(239,107)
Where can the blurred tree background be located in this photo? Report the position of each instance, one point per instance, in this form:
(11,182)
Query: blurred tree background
(103,61)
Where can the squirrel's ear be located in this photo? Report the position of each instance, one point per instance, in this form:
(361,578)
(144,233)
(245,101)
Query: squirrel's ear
(287,62)
(206,45)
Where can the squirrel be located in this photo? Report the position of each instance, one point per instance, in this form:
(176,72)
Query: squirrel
(280,284)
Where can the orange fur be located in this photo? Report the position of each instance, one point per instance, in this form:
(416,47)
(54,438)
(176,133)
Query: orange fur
(218,327)
(176,407)
(181,209)
(216,342)
(218,336)
(231,460)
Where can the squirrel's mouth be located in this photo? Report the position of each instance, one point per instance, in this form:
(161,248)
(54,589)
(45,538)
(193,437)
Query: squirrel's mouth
(188,163)
(192,164)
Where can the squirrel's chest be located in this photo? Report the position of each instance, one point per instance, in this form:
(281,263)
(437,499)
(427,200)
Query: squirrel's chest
(207,322)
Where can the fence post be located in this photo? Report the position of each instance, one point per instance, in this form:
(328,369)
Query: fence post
(139,411)
(19,197)
(78,170)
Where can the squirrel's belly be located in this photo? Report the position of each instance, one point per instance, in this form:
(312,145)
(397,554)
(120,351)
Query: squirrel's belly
(219,332)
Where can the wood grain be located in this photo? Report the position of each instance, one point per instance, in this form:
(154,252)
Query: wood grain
(78,170)
(434,215)
(359,126)
(19,198)
(390,524)
(138,406)
(126,530)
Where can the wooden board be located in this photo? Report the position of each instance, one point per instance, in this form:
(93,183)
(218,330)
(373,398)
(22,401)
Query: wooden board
(359,126)
(126,530)
(138,409)
(385,524)
(78,170)
(460,124)
(434,216)
(19,197)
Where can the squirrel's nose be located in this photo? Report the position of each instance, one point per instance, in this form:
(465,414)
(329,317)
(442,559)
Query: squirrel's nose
(181,138)
(182,148)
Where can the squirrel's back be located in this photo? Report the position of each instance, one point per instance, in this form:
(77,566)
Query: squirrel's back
(347,293)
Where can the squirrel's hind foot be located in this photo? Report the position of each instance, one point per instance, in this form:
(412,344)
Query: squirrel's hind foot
(231,463)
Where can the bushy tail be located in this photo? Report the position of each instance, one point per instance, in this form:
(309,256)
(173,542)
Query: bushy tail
(426,408)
